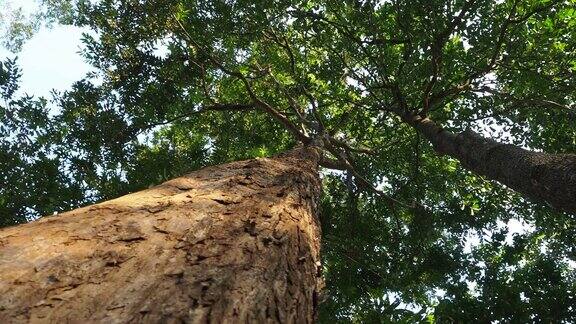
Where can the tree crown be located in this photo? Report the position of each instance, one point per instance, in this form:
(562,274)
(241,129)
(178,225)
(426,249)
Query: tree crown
(408,235)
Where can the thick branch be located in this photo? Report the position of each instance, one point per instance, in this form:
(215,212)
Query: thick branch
(543,177)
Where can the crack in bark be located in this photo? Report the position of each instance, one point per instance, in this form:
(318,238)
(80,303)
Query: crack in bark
(224,202)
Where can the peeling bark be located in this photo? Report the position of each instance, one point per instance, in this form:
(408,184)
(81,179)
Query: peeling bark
(237,242)
(543,177)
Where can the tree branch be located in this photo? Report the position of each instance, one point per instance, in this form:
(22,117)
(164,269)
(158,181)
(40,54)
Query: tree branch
(262,105)
(528,101)
(344,162)
(215,107)
(436,50)
(466,84)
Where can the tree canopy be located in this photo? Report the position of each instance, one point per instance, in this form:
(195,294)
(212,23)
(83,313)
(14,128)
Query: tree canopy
(408,235)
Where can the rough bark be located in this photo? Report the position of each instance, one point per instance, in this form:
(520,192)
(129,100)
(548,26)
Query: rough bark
(543,177)
(233,243)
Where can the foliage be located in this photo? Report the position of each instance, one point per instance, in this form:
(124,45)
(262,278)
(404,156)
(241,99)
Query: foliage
(183,84)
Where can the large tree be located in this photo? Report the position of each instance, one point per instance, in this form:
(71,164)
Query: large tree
(379,88)
(237,242)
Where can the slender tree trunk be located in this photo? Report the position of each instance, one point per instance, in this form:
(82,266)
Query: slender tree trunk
(549,178)
(232,243)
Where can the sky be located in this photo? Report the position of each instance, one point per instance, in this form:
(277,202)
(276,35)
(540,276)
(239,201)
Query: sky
(50,60)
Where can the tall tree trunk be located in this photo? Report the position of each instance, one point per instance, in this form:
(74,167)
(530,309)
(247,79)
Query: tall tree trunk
(232,243)
(549,178)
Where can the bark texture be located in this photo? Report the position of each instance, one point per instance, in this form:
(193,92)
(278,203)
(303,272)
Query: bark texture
(549,178)
(233,243)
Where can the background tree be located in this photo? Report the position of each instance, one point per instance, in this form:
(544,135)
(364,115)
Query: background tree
(33,181)
(182,85)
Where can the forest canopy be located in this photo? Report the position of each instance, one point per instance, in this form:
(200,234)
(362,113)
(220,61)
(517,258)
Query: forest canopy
(415,226)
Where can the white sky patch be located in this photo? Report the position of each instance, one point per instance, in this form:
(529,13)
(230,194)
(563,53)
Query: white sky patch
(516,227)
(147,136)
(466,44)
(380,3)
(489,80)
(27,5)
(325,172)
(352,82)
(471,240)
(394,297)
(288,20)
(473,288)
(357,85)
(439,293)
(161,48)
(50,60)
(384,184)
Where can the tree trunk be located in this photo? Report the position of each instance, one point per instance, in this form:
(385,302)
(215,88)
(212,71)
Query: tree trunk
(232,243)
(549,178)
